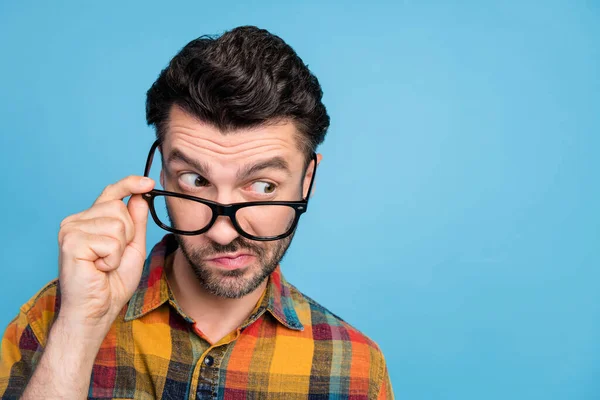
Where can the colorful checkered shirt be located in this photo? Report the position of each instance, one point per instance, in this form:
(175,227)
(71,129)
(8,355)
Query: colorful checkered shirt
(289,348)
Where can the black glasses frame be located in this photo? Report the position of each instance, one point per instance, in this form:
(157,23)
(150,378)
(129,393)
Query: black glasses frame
(228,210)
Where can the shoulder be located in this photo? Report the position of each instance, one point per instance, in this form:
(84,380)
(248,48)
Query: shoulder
(42,309)
(336,342)
(45,300)
(326,325)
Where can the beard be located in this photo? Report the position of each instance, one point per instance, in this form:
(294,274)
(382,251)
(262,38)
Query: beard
(236,283)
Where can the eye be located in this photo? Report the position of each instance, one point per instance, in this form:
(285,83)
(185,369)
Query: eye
(263,187)
(193,180)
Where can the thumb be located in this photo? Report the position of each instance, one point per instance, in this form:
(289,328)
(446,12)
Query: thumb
(138,209)
(133,258)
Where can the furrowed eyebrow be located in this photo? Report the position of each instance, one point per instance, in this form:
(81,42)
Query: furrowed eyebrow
(277,163)
(177,156)
(245,172)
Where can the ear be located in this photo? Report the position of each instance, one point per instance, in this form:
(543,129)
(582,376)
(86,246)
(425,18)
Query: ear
(162,178)
(308,177)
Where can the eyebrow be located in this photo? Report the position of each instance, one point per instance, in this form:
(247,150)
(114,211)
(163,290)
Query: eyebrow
(277,163)
(202,167)
(245,172)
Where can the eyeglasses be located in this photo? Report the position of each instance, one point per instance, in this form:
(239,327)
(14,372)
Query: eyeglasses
(257,220)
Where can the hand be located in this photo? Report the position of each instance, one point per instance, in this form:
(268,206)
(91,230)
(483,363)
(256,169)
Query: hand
(102,253)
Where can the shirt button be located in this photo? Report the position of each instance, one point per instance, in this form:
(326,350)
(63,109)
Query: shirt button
(209,361)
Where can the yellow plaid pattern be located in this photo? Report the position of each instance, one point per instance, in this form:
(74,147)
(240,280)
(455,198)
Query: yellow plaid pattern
(289,348)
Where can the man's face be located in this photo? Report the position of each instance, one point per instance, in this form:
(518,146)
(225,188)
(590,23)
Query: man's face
(260,164)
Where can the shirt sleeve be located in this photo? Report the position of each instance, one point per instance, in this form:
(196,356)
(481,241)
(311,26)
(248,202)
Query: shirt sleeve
(19,353)
(385,389)
(24,340)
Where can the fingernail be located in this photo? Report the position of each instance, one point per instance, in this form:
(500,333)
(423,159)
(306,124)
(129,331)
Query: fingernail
(145,181)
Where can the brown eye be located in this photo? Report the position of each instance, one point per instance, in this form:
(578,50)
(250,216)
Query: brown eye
(263,187)
(201,181)
(193,180)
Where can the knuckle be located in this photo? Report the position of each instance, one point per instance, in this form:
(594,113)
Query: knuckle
(119,206)
(118,226)
(113,209)
(69,242)
(67,220)
(107,189)
(62,233)
(125,216)
(115,246)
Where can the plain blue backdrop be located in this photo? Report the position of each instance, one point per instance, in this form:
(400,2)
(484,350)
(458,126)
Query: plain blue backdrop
(455,219)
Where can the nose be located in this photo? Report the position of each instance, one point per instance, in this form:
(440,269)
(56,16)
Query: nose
(222,231)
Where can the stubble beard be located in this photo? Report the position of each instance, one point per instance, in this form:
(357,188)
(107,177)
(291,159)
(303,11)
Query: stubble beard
(233,284)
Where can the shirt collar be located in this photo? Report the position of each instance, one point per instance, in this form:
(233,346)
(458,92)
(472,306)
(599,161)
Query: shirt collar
(153,289)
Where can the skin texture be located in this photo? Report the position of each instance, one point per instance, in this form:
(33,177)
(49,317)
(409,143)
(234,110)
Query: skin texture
(220,299)
(102,249)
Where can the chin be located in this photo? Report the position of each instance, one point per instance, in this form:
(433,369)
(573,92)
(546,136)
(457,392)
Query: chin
(234,283)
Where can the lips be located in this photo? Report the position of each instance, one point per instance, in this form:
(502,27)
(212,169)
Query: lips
(232,261)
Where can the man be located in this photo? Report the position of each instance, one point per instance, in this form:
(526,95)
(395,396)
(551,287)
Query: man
(208,314)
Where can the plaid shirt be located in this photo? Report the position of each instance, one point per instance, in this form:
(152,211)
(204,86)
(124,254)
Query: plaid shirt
(290,347)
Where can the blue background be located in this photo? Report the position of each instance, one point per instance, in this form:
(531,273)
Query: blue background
(455,219)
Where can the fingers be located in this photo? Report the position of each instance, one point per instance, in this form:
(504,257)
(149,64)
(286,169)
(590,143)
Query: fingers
(109,203)
(104,251)
(125,187)
(111,227)
(115,209)
(102,233)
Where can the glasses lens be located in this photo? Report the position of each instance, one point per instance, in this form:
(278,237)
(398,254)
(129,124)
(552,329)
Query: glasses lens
(182,214)
(266,221)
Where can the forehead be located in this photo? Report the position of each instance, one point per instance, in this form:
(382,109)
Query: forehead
(204,141)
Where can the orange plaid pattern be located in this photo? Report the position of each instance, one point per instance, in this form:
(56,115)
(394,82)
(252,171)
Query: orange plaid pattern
(289,348)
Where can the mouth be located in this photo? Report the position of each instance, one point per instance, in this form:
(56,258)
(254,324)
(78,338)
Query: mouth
(232,261)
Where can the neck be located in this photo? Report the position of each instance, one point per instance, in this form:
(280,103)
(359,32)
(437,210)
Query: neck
(215,316)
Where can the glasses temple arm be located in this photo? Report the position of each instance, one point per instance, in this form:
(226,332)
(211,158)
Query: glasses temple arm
(150,158)
(312,180)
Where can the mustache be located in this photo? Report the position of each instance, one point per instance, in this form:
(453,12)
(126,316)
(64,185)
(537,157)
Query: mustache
(238,243)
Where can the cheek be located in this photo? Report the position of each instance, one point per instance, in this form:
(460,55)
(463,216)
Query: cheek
(195,244)
(269,248)
(275,249)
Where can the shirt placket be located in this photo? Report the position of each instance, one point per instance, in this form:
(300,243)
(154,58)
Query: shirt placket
(209,367)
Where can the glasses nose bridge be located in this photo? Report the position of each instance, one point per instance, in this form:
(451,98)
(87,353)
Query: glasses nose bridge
(226,210)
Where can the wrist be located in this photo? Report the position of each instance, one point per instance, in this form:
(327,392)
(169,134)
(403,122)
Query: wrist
(81,329)
(65,368)
(74,340)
